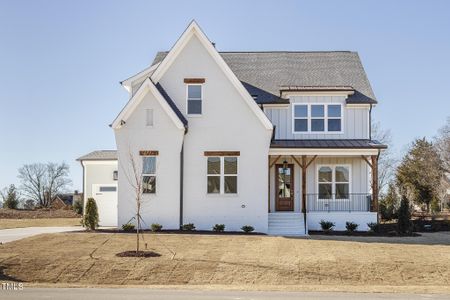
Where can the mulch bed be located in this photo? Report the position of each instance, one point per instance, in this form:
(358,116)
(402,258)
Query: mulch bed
(181,232)
(143,254)
(43,213)
(362,233)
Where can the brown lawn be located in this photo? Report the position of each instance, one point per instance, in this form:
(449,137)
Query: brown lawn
(230,261)
(53,222)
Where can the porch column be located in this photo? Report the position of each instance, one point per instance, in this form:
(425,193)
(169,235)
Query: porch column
(270,165)
(375,187)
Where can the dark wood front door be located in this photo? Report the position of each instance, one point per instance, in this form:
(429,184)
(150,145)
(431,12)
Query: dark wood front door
(284,187)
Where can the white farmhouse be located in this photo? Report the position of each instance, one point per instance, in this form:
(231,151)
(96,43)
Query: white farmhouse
(277,140)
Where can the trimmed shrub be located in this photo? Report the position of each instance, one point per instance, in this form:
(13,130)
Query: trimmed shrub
(404,216)
(90,218)
(326,225)
(219,228)
(373,227)
(247,228)
(78,207)
(351,226)
(156,227)
(188,227)
(128,227)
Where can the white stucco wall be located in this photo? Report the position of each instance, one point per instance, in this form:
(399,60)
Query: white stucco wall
(227,124)
(340,218)
(163,206)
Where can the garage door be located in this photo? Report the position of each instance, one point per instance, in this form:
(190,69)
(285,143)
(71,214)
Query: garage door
(106,197)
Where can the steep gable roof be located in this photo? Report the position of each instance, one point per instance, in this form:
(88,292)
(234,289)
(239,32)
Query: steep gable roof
(194,30)
(161,96)
(264,74)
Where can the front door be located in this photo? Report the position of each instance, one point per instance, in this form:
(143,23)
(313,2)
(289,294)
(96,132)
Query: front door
(284,181)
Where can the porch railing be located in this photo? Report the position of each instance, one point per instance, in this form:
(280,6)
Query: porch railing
(333,202)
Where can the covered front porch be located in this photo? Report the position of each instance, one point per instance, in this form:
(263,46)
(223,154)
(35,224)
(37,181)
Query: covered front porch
(310,181)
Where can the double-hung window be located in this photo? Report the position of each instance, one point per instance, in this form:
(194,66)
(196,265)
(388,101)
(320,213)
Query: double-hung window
(314,118)
(149,174)
(301,118)
(334,182)
(194,99)
(222,172)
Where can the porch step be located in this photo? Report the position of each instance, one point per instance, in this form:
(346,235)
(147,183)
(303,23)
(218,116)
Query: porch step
(291,224)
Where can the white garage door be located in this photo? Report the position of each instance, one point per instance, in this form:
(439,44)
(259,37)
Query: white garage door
(106,197)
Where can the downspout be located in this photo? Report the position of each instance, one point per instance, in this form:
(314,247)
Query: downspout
(370,122)
(182,178)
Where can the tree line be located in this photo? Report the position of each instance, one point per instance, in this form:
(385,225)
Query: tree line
(420,179)
(40,184)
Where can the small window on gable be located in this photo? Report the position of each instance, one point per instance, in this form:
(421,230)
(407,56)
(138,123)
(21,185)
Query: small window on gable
(149,117)
(194,99)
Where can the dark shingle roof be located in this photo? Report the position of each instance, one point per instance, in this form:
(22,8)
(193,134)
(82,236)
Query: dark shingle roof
(339,144)
(100,155)
(265,73)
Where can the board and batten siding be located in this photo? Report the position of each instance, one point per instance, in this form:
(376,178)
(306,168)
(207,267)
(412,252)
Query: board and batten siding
(359,177)
(355,119)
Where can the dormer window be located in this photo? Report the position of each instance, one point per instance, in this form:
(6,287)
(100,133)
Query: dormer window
(194,99)
(316,118)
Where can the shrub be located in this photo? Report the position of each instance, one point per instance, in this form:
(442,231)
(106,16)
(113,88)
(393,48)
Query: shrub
(10,197)
(373,227)
(247,228)
(188,227)
(90,218)
(326,225)
(156,227)
(219,228)
(128,227)
(78,207)
(404,216)
(351,226)
(29,204)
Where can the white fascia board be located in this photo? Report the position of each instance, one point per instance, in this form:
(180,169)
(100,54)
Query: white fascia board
(359,105)
(278,105)
(194,29)
(127,83)
(146,86)
(322,152)
(99,162)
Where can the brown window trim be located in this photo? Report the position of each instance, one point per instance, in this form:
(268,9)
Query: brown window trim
(222,153)
(194,80)
(148,152)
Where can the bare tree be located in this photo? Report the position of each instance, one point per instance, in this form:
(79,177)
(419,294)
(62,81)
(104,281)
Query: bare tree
(387,161)
(136,182)
(43,182)
(443,145)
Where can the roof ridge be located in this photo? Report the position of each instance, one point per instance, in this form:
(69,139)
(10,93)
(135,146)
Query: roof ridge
(283,51)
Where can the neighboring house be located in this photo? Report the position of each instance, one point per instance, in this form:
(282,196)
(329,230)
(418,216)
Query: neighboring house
(277,140)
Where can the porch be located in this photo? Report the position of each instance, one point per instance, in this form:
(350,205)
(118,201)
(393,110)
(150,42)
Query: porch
(335,184)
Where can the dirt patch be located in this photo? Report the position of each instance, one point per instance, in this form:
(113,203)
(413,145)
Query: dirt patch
(144,254)
(53,222)
(226,260)
(37,213)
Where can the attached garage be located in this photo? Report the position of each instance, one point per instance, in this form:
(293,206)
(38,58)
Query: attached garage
(100,174)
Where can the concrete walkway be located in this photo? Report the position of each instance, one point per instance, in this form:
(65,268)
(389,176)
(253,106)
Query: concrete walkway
(14,234)
(140,293)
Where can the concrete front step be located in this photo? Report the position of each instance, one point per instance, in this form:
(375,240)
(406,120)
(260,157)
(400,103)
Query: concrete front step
(291,224)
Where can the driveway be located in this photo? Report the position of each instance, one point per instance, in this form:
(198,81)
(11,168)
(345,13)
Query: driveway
(14,234)
(140,293)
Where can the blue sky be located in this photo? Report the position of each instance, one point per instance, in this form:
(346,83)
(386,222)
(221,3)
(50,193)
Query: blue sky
(61,62)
